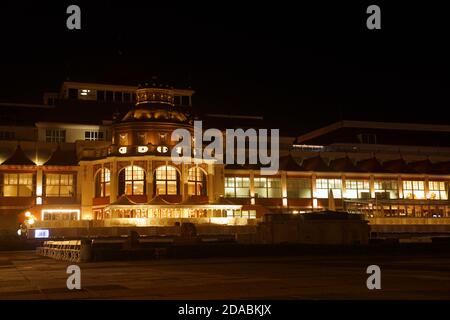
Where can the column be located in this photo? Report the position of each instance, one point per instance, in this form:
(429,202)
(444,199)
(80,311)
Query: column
(114,188)
(284,188)
(313,191)
(400,187)
(149,180)
(252,187)
(372,186)
(426,188)
(210,188)
(39,186)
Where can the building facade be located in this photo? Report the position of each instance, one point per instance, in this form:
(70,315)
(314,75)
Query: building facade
(102,153)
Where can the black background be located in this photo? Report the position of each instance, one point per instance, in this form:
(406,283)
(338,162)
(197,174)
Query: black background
(300,65)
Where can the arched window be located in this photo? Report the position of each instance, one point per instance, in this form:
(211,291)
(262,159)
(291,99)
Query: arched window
(167,180)
(196,182)
(102,183)
(132,181)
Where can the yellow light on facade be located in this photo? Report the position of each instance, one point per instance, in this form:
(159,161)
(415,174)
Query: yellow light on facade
(142,149)
(28,214)
(31,221)
(315,205)
(44,211)
(38,200)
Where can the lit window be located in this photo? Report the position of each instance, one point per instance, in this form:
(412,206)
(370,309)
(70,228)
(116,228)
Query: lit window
(17,184)
(237,187)
(267,187)
(132,181)
(357,189)
(323,187)
(196,182)
(386,189)
(413,189)
(438,190)
(102,183)
(93,135)
(166,181)
(58,185)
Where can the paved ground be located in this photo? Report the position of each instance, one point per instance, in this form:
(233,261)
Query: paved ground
(23,275)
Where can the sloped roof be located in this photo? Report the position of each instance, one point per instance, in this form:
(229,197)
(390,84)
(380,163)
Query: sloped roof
(422,166)
(62,158)
(18,158)
(288,163)
(195,200)
(397,166)
(344,164)
(123,200)
(158,200)
(370,165)
(316,163)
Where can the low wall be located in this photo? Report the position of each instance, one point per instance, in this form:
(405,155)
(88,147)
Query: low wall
(409,221)
(141,222)
(410,225)
(169,231)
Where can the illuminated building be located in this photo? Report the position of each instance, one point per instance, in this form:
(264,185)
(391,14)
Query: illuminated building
(66,163)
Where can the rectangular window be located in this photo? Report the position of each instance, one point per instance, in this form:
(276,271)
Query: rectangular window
(323,187)
(357,189)
(17,185)
(93,135)
(185,100)
(438,190)
(413,189)
(237,187)
(59,185)
(298,188)
(100,95)
(267,187)
(386,189)
(55,135)
(7,135)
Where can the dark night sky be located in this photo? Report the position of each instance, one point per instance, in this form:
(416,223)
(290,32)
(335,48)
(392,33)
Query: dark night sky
(301,66)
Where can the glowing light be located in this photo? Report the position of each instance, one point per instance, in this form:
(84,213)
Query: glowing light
(162,149)
(19,232)
(44,211)
(252,200)
(123,150)
(142,149)
(315,205)
(28,214)
(31,221)
(41,233)
(38,200)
